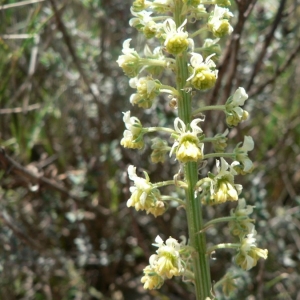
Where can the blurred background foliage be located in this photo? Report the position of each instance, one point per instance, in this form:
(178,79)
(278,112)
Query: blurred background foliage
(65,230)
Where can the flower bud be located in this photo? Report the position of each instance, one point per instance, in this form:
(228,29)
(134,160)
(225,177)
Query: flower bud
(228,284)
(139,5)
(211,47)
(241,154)
(147,90)
(223,2)
(204,74)
(249,254)
(151,280)
(133,135)
(167,262)
(160,148)
(218,23)
(188,146)
(129,62)
(222,187)
(220,142)
(176,40)
(241,226)
(143,195)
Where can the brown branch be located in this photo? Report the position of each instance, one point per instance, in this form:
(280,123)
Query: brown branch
(11,166)
(267,41)
(20,3)
(18,233)
(5,111)
(278,72)
(76,60)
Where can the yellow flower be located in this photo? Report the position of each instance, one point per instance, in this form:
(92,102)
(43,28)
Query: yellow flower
(147,90)
(218,22)
(204,74)
(234,113)
(187,146)
(176,39)
(143,195)
(167,262)
(139,5)
(249,254)
(241,154)
(151,280)
(223,2)
(222,186)
(129,61)
(133,135)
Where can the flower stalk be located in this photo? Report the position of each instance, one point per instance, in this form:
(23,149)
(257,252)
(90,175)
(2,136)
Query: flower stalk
(192,72)
(193,204)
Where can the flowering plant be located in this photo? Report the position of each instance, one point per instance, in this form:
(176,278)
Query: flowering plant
(167,21)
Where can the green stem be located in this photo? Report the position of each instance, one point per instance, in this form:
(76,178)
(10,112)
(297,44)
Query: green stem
(209,140)
(224,279)
(164,129)
(213,155)
(163,183)
(170,198)
(223,246)
(152,62)
(198,32)
(160,18)
(201,267)
(168,89)
(225,219)
(209,107)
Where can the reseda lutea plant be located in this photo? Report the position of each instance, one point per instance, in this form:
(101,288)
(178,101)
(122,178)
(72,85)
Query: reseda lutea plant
(167,21)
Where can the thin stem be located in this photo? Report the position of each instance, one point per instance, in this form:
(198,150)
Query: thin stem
(170,198)
(213,155)
(164,129)
(222,280)
(163,183)
(209,107)
(209,140)
(152,62)
(168,89)
(225,219)
(198,32)
(223,246)
(201,267)
(160,18)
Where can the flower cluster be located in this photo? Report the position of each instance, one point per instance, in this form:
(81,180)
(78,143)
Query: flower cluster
(241,155)
(130,60)
(133,135)
(218,22)
(166,263)
(234,113)
(220,141)
(160,148)
(249,254)
(147,90)
(167,21)
(187,145)
(143,195)
(217,189)
(203,73)
(176,39)
(241,224)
